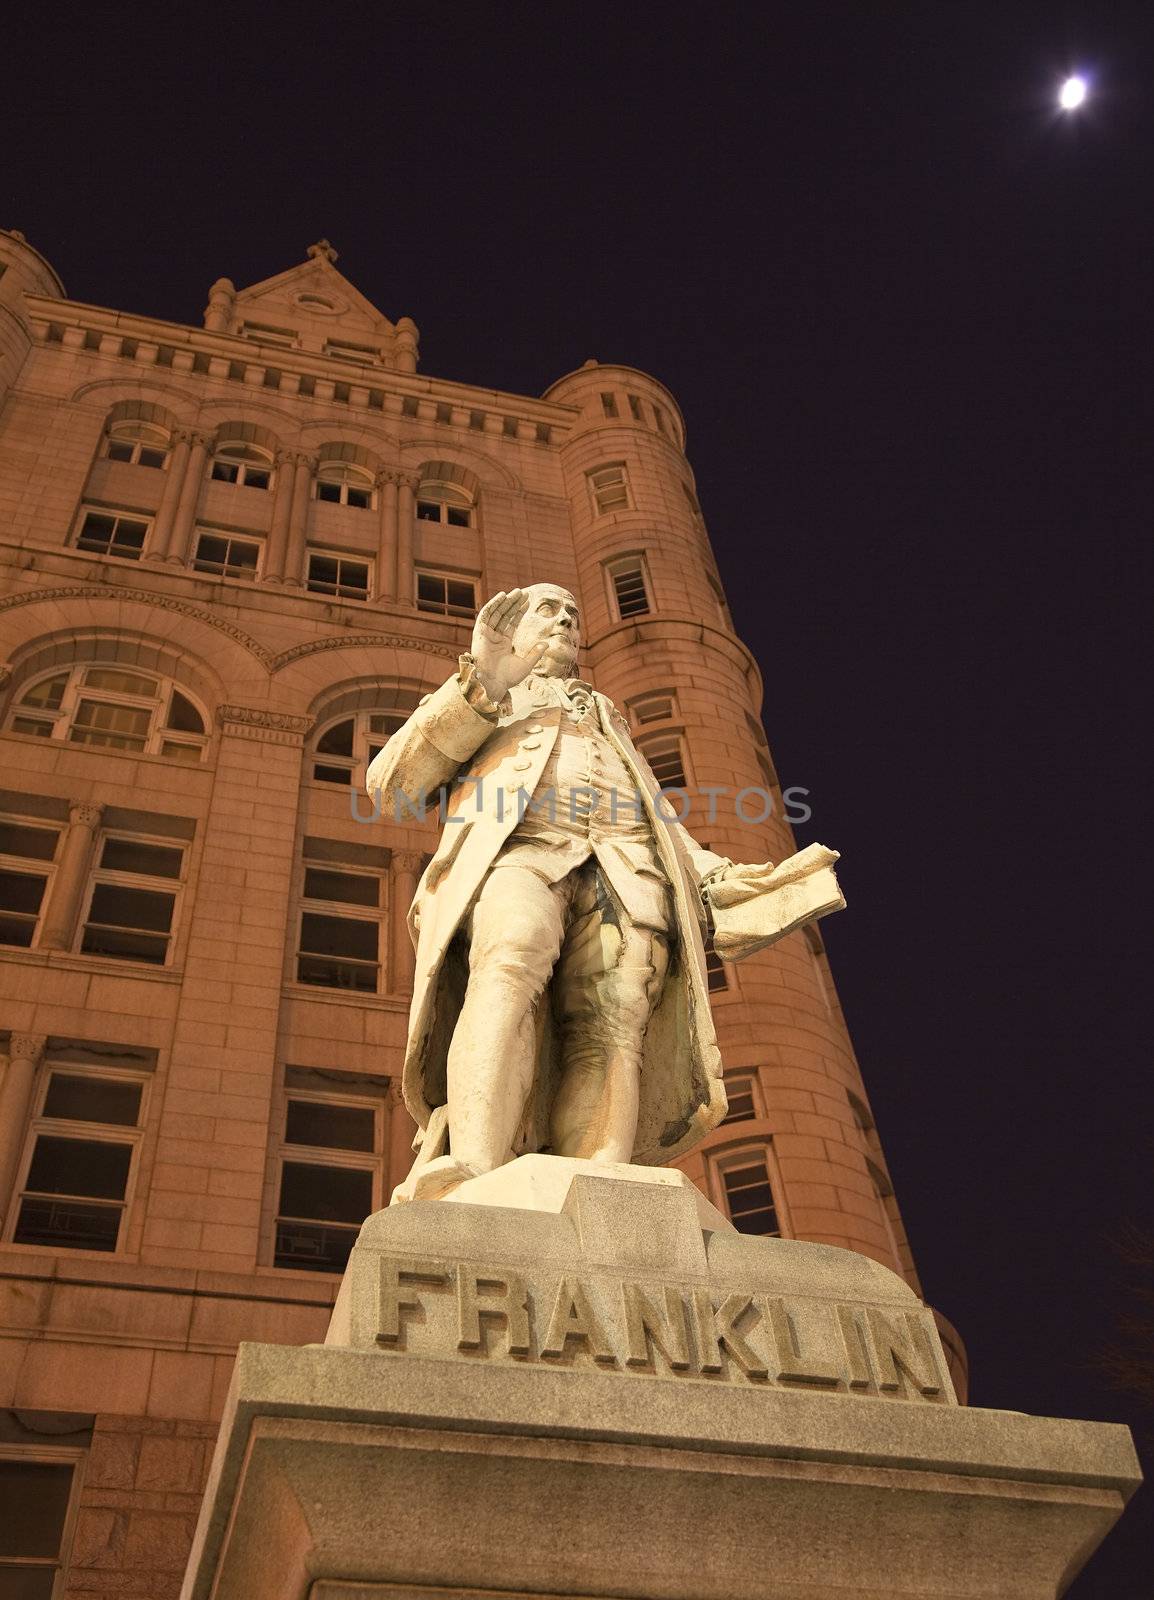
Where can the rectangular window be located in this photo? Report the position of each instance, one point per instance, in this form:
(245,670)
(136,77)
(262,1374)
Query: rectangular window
(509,427)
(477,421)
(409,405)
(84,1140)
(36,1528)
(716,977)
(635,408)
(265,333)
(340,928)
(26,856)
(132,901)
(227,556)
(344,577)
(451,597)
(542,433)
(444,413)
(609,488)
(330,1178)
(609,404)
(659,419)
(663,753)
(741,1092)
(363,354)
(656,707)
(630,590)
(110,533)
(748,1193)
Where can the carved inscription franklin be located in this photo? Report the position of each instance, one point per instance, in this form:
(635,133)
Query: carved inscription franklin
(455,1308)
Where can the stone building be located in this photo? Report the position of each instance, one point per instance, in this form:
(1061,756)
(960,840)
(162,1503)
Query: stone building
(232,558)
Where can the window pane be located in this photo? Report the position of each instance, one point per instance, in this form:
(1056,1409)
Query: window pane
(150,457)
(338,1127)
(225,471)
(428,511)
(328,491)
(119,450)
(326,1194)
(98,722)
(321,883)
(48,694)
(152,860)
(26,1583)
(313,1247)
(40,730)
(114,906)
(84,1099)
(17,931)
(34,1495)
(120,682)
(324,774)
(183,717)
(457,516)
(360,498)
(211,548)
(256,478)
(21,892)
(338,741)
(67,1224)
(39,844)
(79,1166)
(461,594)
(339,936)
(323,569)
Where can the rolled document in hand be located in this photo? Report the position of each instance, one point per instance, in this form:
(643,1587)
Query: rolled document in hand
(748,915)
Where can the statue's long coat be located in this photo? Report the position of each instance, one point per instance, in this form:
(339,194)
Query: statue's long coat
(445,738)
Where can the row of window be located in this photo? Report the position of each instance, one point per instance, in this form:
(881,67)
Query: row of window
(78,1168)
(249,466)
(225,554)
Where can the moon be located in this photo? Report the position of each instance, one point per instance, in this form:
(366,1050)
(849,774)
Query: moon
(1072,93)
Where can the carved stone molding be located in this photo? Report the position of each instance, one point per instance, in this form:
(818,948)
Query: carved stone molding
(162,602)
(266,727)
(193,436)
(26,1047)
(5,674)
(410,480)
(371,641)
(85,814)
(411,862)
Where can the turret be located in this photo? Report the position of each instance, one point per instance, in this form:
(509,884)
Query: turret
(23,270)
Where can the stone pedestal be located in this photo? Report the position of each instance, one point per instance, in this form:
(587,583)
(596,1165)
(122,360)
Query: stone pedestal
(612,1398)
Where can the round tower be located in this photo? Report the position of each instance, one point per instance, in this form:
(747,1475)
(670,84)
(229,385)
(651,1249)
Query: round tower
(23,270)
(799,1153)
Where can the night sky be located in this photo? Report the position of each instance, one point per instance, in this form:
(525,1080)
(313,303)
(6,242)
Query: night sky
(906,308)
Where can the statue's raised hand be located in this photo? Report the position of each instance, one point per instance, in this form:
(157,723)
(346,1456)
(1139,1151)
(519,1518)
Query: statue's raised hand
(499,666)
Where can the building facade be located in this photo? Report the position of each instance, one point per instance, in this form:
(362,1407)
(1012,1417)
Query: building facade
(232,559)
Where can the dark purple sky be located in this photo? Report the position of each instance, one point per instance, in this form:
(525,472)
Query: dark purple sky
(907,311)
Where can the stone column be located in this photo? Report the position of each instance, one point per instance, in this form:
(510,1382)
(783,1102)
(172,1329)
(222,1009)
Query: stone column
(405,867)
(24,1055)
(59,926)
(401,1133)
(277,547)
(387,482)
(218,312)
(170,498)
(200,444)
(406,511)
(304,466)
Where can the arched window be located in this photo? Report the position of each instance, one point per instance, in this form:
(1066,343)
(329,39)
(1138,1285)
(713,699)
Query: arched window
(114,708)
(238,461)
(438,501)
(344,748)
(344,485)
(140,444)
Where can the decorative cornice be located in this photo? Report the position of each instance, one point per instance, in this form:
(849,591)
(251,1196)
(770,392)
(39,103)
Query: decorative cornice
(266,727)
(162,602)
(26,1047)
(368,641)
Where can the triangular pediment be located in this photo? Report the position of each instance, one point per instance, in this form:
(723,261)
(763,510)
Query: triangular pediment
(313,301)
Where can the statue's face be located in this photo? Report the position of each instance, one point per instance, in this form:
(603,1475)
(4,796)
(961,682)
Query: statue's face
(552,615)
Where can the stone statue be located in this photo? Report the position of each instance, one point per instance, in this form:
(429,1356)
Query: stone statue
(560,1001)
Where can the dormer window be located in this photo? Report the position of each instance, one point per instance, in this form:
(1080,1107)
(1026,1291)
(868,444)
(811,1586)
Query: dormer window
(138,444)
(244,464)
(365,354)
(265,333)
(444,502)
(344,485)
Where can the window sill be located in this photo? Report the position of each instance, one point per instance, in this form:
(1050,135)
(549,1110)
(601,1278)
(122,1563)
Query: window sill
(109,750)
(337,997)
(69,961)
